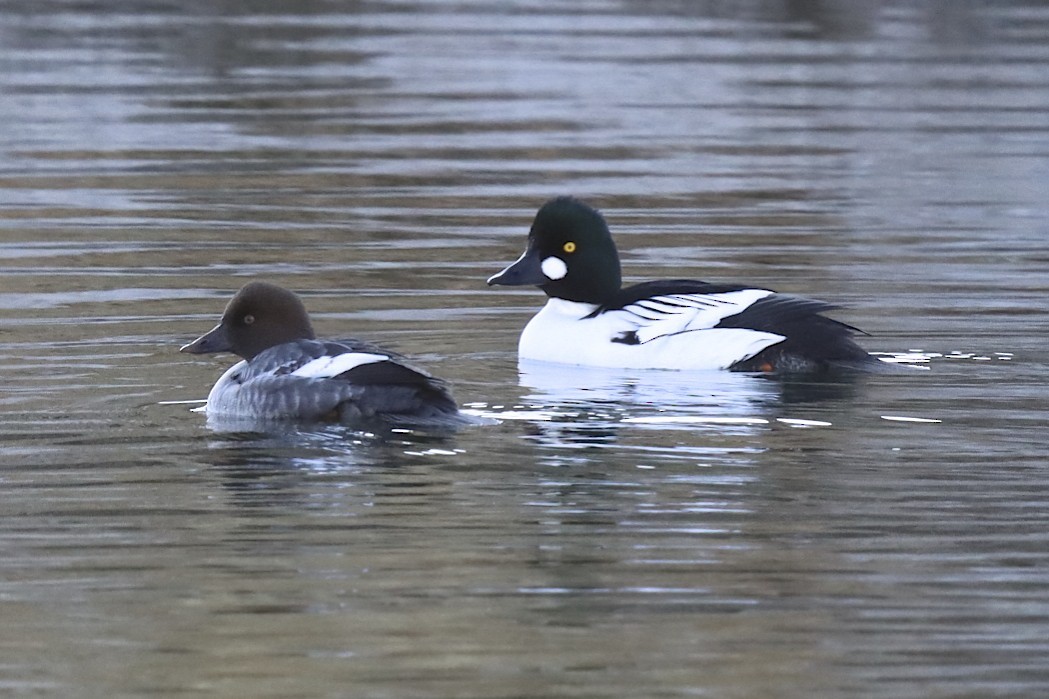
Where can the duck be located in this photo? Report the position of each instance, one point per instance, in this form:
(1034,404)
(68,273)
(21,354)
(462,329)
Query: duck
(590,319)
(286,373)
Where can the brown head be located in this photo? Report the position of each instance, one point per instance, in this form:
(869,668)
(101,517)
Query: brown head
(260,316)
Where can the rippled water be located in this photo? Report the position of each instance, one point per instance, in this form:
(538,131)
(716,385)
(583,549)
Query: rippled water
(613,534)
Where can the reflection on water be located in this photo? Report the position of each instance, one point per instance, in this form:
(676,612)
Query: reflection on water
(720,393)
(607,534)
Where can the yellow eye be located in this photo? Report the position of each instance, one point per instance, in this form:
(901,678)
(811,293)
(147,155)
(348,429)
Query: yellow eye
(569,247)
(249,319)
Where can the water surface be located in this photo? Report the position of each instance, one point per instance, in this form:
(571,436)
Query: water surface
(613,534)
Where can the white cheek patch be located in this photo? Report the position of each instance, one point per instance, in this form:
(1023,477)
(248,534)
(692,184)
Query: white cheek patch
(554,268)
(327,367)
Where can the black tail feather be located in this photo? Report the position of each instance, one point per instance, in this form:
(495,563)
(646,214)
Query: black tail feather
(813,341)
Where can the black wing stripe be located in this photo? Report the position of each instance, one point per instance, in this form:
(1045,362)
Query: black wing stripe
(774,313)
(664,288)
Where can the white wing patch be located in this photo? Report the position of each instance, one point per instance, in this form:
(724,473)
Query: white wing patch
(327,367)
(677,313)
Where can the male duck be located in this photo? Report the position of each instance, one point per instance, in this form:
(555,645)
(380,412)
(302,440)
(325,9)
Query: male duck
(667,324)
(288,375)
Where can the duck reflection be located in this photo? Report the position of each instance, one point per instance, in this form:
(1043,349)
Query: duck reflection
(713,393)
(288,467)
(574,407)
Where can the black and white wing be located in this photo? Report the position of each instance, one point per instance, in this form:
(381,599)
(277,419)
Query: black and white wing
(741,328)
(672,314)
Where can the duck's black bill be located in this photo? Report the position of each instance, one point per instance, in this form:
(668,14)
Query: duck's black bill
(527,270)
(213,341)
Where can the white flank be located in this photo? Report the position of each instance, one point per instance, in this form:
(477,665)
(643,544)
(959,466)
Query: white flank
(562,332)
(554,268)
(327,367)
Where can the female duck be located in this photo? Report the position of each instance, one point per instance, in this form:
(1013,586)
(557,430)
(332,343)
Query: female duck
(288,374)
(668,324)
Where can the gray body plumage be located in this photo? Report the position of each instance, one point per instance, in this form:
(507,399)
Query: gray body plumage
(279,383)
